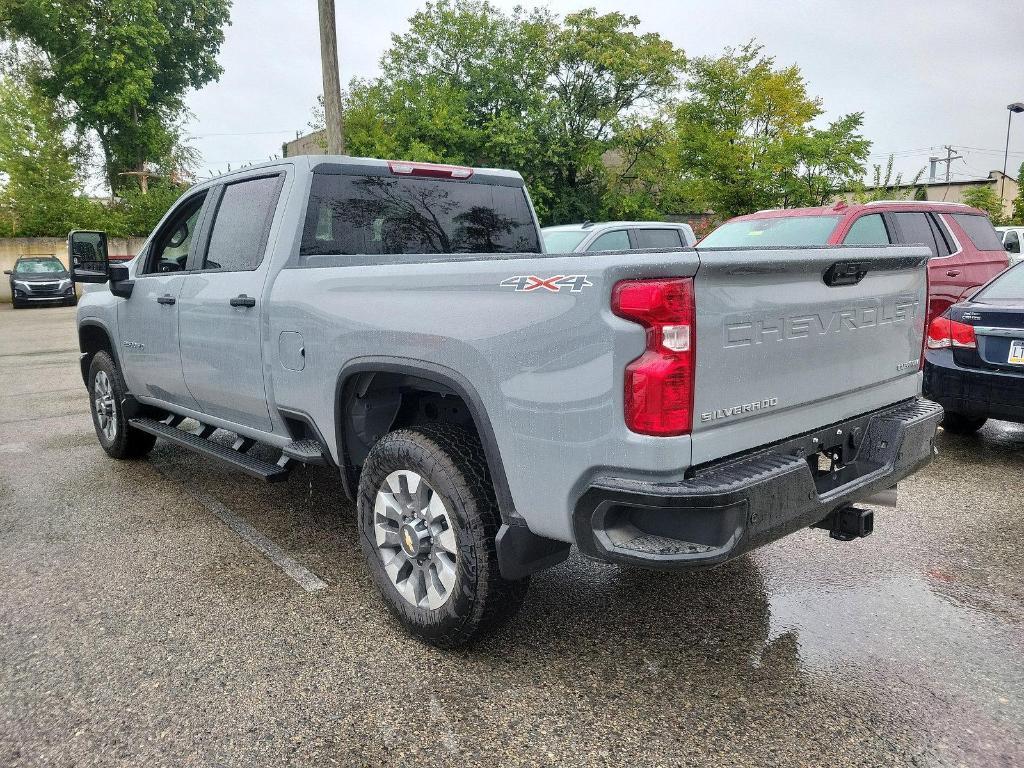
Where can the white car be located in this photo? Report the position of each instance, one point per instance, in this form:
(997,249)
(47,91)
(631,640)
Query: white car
(617,236)
(1012,239)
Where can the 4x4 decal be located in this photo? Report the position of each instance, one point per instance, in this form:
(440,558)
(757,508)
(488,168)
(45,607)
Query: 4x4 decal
(575,283)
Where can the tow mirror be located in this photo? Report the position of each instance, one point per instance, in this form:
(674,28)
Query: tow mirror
(8,272)
(87,256)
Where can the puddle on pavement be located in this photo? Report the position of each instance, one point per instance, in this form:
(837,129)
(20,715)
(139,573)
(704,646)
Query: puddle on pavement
(919,631)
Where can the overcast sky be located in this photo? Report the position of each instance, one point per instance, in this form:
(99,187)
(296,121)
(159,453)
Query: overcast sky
(925,72)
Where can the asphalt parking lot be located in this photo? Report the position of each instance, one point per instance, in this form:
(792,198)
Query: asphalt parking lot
(137,626)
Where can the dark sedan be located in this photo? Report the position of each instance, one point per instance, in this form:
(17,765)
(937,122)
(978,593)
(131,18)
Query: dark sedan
(974,358)
(40,279)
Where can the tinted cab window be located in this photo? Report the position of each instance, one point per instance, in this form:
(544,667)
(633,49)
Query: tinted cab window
(980,230)
(355,215)
(920,228)
(658,238)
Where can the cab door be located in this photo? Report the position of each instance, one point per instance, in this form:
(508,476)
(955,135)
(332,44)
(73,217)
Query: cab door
(148,319)
(221,300)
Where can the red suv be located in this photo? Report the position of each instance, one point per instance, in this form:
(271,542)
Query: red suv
(966,250)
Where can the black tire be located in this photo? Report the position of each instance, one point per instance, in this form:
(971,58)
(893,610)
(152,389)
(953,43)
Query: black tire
(71,301)
(452,463)
(961,424)
(122,441)
(15,304)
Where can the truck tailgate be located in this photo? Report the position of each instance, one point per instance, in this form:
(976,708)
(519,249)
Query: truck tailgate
(789,340)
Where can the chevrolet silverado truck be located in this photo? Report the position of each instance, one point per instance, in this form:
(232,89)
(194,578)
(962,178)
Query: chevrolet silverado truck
(489,405)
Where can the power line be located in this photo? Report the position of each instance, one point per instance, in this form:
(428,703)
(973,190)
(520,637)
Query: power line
(248,133)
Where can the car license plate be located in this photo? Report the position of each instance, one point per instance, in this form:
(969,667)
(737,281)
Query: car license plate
(1016,352)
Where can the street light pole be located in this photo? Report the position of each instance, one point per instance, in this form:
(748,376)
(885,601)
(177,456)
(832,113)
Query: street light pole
(1014,109)
(332,80)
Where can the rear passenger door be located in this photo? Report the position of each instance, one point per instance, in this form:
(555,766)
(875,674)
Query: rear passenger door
(221,300)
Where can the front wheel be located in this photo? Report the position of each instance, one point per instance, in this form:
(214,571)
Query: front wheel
(960,424)
(428,520)
(106,394)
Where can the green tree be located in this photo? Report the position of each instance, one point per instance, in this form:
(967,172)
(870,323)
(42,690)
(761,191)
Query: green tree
(469,83)
(745,137)
(985,197)
(888,186)
(606,78)
(1017,217)
(123,65)
(41,192)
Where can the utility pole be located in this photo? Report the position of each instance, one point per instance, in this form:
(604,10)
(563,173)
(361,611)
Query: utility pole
(950,157)
(332,80)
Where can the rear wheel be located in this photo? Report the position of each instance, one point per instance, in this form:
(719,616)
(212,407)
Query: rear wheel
(106,394)
(428,520)
(960,424)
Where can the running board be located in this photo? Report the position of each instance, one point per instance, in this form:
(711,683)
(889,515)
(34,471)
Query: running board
(251,465)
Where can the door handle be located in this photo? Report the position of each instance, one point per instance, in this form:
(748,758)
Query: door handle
(952,272)
(243,301)
(165,299)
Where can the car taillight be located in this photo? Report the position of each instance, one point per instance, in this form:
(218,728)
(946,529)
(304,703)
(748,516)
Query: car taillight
(433,170)
(944,333)
(659,383)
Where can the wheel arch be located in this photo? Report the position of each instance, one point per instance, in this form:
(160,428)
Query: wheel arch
(433,378)
(93,337)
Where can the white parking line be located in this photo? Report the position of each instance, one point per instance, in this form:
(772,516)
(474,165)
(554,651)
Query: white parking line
(304,577)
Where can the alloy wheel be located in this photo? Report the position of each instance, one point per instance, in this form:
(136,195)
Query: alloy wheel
(415,539)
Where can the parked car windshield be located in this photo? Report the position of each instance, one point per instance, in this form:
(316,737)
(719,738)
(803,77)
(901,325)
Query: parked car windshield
(776,231)
(38,266)
(1009,286)
(350,215)
(562,240)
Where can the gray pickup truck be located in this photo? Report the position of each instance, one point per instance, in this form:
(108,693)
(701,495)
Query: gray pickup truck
(489,405)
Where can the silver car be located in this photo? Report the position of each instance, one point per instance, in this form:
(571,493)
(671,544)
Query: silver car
(590,237)
(1012,238)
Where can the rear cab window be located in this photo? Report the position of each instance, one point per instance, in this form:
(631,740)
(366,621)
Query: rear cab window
(777,231)
(354,215)
(649,237)
(980,231)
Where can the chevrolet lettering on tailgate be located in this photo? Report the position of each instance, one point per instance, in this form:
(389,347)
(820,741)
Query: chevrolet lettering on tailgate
(742,331)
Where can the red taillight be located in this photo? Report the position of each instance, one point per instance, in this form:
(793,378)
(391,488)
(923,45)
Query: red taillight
(659,383)
(944,333)
(402,168)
